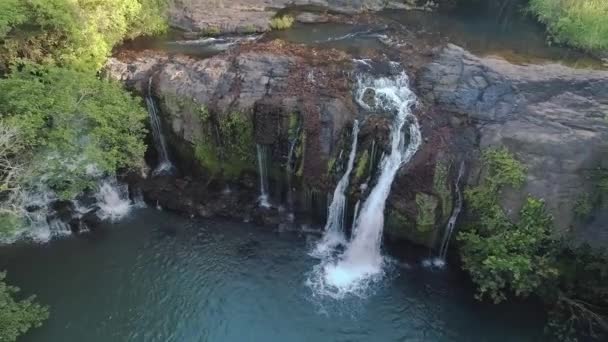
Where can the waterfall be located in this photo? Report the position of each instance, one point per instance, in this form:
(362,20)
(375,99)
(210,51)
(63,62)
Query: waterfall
(113,200)
(362,261)
(355,213)
(293,142)
(262,156)
(41,222)
(164,164)
(334,228)
(449,229)
(37,212)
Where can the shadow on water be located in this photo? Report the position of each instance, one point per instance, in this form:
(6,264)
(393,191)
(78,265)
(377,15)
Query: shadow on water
(160,277)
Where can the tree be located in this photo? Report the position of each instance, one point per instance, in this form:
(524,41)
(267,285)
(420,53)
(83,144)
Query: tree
(70,124)
(18,316)
(504,257)
(79,34)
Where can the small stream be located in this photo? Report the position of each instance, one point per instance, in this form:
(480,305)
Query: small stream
(156,276)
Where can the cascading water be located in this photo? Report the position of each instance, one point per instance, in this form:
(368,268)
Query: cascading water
(449,229)
(262,156)
(362,261)
(164,163)
(113,200)
(334,228)
(38,225)
(41,222)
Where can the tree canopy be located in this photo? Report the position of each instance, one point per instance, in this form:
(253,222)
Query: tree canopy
(76,33)
(18,316)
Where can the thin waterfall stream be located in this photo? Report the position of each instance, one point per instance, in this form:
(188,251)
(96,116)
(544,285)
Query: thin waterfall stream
(293,142)
(262,157)
(164,163)
(362,261)
(449,229)
(334,228)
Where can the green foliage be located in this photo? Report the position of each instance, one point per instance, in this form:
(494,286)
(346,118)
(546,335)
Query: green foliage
(583,206)
(442,188)
(427,205)
(8,223)
(282,23)
(226,147)
(579,23)
(75,33)
(70,122)
(510,258)
(211,31)
(362,166)
(18,316)
(504,257)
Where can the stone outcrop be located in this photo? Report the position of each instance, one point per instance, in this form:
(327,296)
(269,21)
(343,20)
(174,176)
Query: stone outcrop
(246,16)
(216,110)
(552,117)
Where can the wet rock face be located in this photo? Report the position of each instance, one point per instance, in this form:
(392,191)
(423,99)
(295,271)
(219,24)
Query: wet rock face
(273,95)
(552,117)
(217,109)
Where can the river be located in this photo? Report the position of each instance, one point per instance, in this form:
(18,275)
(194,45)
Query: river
(156,276)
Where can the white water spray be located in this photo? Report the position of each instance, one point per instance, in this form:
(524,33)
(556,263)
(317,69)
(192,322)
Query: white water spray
(262,156)
(164,163)
(362,262)
(334,228)
(113,200)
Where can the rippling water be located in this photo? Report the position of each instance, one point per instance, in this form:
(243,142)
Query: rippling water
(160,277)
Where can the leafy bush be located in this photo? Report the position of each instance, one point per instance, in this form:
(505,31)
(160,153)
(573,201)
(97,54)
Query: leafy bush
(79,34)
(72,125)
(282,23)
(579,23)
(504,257)
(17,317)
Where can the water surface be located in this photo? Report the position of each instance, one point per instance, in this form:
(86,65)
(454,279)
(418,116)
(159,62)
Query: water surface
(160,277)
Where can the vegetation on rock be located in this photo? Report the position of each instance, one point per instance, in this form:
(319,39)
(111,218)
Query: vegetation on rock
(226,148)
(282,23)
(522,258)
(504,257)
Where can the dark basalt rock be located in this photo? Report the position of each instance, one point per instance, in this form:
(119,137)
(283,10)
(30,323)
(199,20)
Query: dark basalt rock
(550,116)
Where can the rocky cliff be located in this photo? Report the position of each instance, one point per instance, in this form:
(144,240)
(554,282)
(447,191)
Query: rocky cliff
(554,118)
(274,94)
